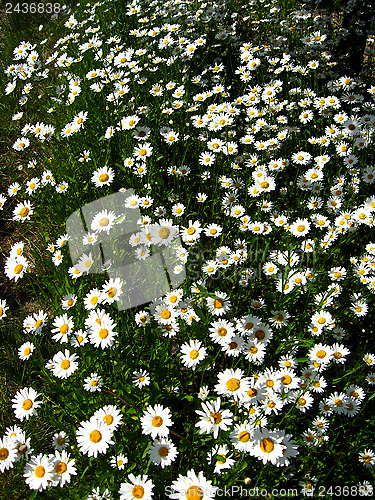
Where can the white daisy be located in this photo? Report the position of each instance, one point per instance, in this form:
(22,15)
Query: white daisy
(162,452)
(136,488)
(8,453)
(25,404)
(212,418)
(39,472)
(155,421)
(94,437)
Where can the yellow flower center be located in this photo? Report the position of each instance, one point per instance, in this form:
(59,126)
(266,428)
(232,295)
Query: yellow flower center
(95,436)
(194,493)
(40,471)
(267,445)
(321,354)
(244,436)
(103,177)
(157,422)
(108,419)
(194,354)
(286,379)
(164,233)
(65,364)
(104,222)
(63,329)
(27,404)
(166,314)
(163,451)
(233,384)
(4,453)
(112,292)
(103,333)
(60,468)
(218,303)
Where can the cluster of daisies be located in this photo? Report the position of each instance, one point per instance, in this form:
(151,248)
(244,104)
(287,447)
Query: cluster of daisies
(272,172)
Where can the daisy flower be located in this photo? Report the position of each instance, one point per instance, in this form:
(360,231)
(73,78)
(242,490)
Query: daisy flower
(32,185)
(369,359)
(254,351)
(90,239)
(13,189)
(141,378)
(300,227)
(63,326)
(103,221)
(25,403)
(68,301)
(136,487)
(8,453)
(23,447)
(23,211)
(267,445)
(39,472)
(212,419)
(15,268)
(219,305)
(111,291)
(220,454)
(103,334)
(192,233)
(192,353)
(92,299)
(21,144)
(57,258)
(60,441)
(119,462)
(85,156)
(178,209)
(191,486)
(155,421)
(232,383)
(110,415)
(3,199)
(143,151)
(162,452)
(222,331)
(93,437)
(234,347)
(365,489)
(367,457)
(301,158)
(142,318)
(63,364)
(164,232)
(93,383)
(103,176)
(165,314)
(213,230)
(63,468)
(3,308)
(62,187)
(25,351)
